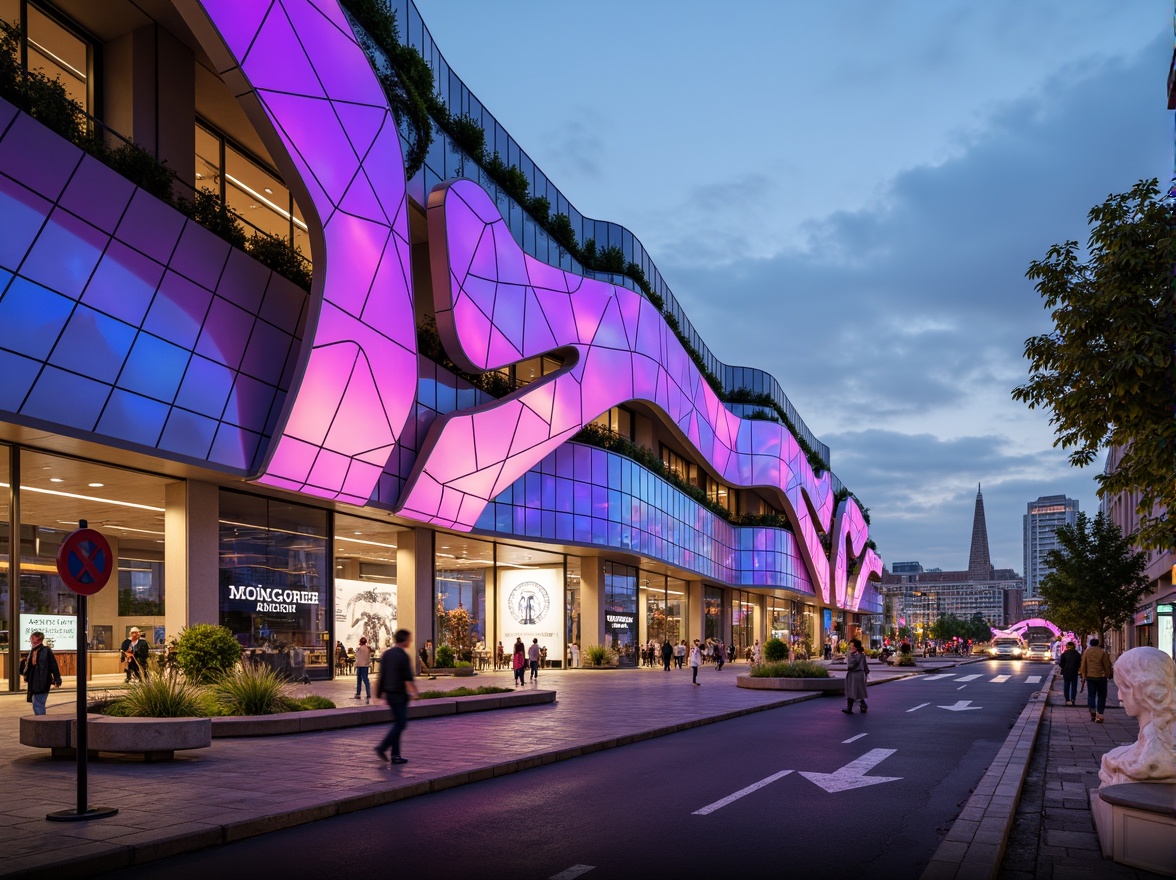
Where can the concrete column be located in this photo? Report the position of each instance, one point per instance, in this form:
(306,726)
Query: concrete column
(414,584)
(149,95)
(592,601)
(191,555)
(695,625)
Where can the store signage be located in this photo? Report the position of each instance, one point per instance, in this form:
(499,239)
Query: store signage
(620,622)
(280,600)
(61,630)
(531,606)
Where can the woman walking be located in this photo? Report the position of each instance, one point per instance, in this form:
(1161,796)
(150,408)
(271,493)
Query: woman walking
(519,663)
(695,661)
(855,677)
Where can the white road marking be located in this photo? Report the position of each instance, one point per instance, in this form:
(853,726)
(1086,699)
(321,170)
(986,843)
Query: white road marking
(854,738)
(1032,679)
(853,774)
(961,687)
(936,676)
(961,706)
(920,706)
(572,872)
(731,798)
(968,678)
(1001,679)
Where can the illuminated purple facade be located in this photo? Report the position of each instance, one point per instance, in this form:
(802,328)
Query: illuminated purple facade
(126,325)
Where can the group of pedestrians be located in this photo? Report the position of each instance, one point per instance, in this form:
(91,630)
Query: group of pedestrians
(1095,667)
(524,658)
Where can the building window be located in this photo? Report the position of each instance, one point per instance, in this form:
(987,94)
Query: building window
(722,495)
(679,466)
(248,188)
(618,420)
(462,570)
(366,598)
(273,580)
(51,46)
(712,606)
(620,611)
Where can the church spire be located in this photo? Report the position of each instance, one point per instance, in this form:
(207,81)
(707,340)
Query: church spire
(979,562)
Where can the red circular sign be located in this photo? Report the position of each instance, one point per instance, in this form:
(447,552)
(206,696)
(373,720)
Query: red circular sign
(85,561)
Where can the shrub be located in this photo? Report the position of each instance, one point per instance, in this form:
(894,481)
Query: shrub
(445,657)
(277,254)
(798,669)
(304,704)
(170,695)
(775,650)
(599,655)
(904,659)
(463,664)
(250,690)
(207,209)
(464,692)
(206,651)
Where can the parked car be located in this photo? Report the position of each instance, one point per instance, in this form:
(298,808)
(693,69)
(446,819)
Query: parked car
(1006,647)
(1038,651)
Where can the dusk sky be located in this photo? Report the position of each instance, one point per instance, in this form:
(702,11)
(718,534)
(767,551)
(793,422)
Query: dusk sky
(848,195)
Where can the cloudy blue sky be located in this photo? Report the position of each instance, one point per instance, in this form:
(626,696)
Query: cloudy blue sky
(848,195)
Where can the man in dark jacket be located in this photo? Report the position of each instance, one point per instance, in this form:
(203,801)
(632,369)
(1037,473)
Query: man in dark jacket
(1068,662)
(135,652)
(667,652)
(40,670)
(396,685)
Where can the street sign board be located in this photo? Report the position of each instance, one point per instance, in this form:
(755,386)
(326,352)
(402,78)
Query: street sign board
(85,561)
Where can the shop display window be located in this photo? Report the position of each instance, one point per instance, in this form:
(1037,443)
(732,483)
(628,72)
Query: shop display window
(366,594)
(620,611)
(463,567)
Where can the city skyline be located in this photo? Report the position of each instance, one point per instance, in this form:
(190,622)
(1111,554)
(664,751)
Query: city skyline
(834,183)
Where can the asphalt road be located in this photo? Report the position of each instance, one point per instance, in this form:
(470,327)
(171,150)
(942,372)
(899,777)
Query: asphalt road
(786,791)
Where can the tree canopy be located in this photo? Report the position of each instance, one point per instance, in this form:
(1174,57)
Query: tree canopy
(1106,370)
(1097,578)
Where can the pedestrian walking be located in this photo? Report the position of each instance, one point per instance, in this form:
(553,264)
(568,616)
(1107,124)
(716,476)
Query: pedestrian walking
(533,653)
(1095,669)
(757,653)
(1069,662)
(720,655)
(499,656)
(680,654)
(363,662)
(135,651)
(518,662)
(856,673)
(667,652)
(396,685)
(695,661)
(40,671)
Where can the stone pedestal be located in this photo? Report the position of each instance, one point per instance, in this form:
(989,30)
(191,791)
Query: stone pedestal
(1136,823)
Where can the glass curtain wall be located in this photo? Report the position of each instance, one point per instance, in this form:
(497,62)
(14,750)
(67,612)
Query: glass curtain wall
(575,638)
(127,508)
(274,575)
(663,598)
(463,568)
(743,620)
(620,611)
(712,602)
(531,603)
(8,666)
(366,597)
(53,49)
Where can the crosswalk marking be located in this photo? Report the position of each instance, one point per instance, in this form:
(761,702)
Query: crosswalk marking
(1033,679)
(853,738)
(572,872)
(920,706)
(756,786)
(968,678)
(938,676)
(1001,679)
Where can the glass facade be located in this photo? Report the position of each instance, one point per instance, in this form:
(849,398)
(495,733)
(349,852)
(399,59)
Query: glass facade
(712,608)
(464,567)
(366,598)
(664,601)
(745,609)
(575,637)
(53,48)
(620,611)
(274,575)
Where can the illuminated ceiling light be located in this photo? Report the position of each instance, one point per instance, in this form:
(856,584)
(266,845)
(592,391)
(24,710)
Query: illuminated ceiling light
(95,485)
(268,191)
(84,497)
(56,480)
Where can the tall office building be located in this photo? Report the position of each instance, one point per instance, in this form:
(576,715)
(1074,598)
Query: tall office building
(1041,521)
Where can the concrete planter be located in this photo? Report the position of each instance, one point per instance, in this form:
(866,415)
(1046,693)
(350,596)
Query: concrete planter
(156,739)
(820,685)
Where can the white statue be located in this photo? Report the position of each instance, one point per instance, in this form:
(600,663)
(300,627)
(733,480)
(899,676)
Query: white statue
(1147,688)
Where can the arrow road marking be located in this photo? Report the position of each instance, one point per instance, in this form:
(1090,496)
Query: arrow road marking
(572,872)
(920,706)
(755,786)
(1033,679)
(961,706)
(967,678)
(853,774)
(852,738)
(1001,679)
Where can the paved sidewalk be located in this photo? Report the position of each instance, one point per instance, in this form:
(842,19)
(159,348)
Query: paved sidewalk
(243,787)
(1053,832)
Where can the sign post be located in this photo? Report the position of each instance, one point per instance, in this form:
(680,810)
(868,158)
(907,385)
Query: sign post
(84,562)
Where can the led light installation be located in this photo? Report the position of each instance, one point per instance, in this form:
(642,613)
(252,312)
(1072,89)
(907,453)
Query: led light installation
(299,72)
(501,306)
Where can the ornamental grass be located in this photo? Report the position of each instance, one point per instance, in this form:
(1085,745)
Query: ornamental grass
(797,669)
(166,695)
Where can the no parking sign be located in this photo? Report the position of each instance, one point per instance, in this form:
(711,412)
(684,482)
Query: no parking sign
(85,561)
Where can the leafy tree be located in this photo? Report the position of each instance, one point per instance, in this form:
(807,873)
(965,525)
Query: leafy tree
(1106,370)
(978,629)
(1097,578)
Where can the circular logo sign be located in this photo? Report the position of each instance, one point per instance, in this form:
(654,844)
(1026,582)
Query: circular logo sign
(85,561)
(528,603)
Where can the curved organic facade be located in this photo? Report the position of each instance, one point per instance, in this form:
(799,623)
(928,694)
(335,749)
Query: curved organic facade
(129,326)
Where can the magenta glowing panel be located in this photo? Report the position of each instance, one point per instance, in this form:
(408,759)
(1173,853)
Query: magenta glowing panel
(850,533)
(309,89)
(501,306)
(869,569)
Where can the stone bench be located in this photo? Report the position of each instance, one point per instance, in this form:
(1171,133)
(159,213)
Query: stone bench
(1136,824)
(156,739)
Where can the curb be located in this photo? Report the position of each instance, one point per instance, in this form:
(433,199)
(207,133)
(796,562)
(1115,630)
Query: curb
(300,813)
(975,844)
